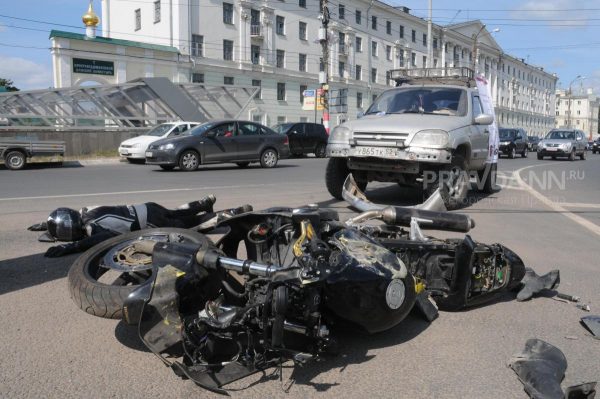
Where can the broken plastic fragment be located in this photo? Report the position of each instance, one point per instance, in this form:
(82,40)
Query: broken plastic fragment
(540,368)
(584,306)
(532,283)
(592,323)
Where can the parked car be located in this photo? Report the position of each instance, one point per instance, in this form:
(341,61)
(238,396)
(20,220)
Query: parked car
(305,138)
(590,144)
(239,142)
(513,141)
(563,143)
(596,146)
(134,149)
(533,142)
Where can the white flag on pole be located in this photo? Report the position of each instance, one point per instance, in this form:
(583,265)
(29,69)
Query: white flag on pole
(485,95)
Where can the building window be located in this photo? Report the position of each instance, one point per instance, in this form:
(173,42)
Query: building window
(280,59)
(424,61)
(228,80)
(359,100)
(358,16)
(302,3)
(302,30)
(388,53)
(401,58)
(280,119)
(138,19)
(342,11)
(302,89)
(257,83)
(373,98)
(374,22)
(425,39)
(374,49)
(280,25)
(302,62)
(413,59)
(388,27)
(197,46)
(197,78)
(359,44)
(341,68)
(228,50)
(374,75)
(401,32)
(358,72)
(255,54)
(414,36)
(342,42)
(281,91)
(157,11)
(435,42)
(228,13)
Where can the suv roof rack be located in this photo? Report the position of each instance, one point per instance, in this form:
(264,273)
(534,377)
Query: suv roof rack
(448,75)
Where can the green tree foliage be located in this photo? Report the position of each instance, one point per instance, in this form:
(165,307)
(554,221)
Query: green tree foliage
(8,85)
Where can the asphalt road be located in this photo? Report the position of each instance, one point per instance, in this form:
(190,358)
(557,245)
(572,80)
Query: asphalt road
(52,349)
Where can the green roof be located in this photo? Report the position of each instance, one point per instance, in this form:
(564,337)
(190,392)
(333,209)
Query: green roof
(116,42)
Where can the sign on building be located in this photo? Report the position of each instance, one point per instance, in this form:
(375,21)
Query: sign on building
(309,100)
(94,67)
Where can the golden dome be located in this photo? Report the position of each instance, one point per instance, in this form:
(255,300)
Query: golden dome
(90,18)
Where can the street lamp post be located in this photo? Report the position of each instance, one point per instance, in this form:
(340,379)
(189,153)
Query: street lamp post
(474,52)
(571,99)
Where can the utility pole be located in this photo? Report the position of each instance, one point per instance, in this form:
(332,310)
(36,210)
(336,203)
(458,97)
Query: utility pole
(571,99)
(324,75)
(430,37)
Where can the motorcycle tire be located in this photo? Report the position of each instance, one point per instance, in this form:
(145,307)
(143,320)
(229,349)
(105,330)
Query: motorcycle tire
(103,299)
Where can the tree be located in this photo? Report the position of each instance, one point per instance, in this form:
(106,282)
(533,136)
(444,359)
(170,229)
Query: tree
(8,84)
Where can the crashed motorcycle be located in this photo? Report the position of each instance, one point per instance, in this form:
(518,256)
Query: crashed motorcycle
(275,285)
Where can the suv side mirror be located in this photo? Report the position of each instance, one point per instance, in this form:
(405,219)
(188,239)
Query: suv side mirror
(484,119)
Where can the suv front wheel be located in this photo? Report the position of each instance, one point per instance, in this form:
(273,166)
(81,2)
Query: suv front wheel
(335,175)
(453,183)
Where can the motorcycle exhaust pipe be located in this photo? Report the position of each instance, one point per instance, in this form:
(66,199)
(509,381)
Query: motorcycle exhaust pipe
(401,216)
(357,199)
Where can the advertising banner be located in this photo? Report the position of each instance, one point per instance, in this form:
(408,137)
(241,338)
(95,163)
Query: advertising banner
(485,94)
(309,100)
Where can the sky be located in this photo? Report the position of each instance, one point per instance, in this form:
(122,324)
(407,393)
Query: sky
(563,36)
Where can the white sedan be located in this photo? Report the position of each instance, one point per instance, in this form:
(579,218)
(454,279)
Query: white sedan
(134,149)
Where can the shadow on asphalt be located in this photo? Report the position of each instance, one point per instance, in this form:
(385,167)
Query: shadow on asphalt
(128,336)
(31,270)
(205,168)
(46,165)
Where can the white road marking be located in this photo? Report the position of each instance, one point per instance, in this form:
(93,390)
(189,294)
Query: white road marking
(580,205)
(553,205)
(140,192)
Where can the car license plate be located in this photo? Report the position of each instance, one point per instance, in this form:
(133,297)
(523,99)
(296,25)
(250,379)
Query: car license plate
(552,149)
(149,154)
(377,151)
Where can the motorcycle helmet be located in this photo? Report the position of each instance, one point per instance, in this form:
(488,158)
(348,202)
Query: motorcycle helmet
(65,224)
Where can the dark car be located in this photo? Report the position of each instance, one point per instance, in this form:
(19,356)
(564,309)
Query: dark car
(533,142)
(596,146)
(239,142)
(513,141)
(305,137)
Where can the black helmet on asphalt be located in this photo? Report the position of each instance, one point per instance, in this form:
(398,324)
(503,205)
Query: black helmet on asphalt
(65,224)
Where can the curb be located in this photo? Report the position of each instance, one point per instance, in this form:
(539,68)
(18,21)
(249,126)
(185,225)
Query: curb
(94,161)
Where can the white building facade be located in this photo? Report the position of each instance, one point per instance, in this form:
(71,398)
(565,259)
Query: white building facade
(578,111)
(273,44)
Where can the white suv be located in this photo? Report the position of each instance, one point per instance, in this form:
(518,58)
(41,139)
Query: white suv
(134,149)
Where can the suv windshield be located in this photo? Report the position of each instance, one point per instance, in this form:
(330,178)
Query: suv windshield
(507,133)
(560,135)
(422,100)
(160,130)
(283,128)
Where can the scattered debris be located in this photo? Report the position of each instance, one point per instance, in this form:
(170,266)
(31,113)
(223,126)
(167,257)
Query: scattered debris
(427,306)
(532,283)
(572,337)
(541,368)
(592,323)
(583,306)
(571,298)
(560,300)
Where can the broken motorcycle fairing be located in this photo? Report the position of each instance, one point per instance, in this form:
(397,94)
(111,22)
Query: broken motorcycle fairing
(305,273)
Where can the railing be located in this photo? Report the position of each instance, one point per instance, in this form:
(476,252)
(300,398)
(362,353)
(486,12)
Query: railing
(255,30)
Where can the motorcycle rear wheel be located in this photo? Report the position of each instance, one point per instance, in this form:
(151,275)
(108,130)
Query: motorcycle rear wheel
(89,278)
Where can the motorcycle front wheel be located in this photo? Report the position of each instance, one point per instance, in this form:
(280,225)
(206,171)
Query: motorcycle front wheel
(102,277)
